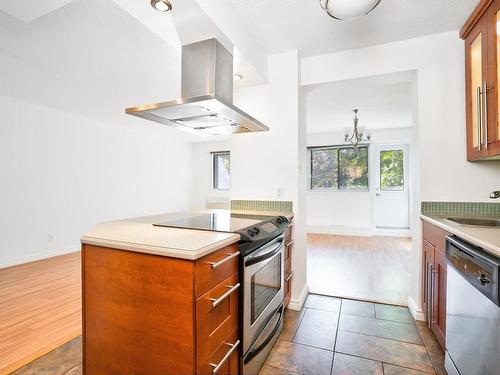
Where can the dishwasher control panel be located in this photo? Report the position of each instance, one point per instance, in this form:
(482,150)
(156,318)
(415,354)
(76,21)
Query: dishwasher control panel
(478,267)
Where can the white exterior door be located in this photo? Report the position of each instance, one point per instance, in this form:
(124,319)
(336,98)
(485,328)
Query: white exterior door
(391,205)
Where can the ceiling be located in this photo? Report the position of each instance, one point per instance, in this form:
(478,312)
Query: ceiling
(302,25)
(384,102)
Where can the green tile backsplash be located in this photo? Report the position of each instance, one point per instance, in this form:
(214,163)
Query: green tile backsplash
(461,208)
(272,206)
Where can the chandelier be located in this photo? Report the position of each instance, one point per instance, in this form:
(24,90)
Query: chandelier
(343,9)
(357,136)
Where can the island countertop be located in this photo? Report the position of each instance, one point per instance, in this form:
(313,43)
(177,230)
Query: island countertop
(487,238)
(140,235)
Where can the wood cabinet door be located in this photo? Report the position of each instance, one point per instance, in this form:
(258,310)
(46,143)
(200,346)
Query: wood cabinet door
(439,297)
(492,18)
(216,320)
(476,79)
(427,264)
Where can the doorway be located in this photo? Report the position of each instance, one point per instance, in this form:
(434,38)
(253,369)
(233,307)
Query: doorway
(391,180)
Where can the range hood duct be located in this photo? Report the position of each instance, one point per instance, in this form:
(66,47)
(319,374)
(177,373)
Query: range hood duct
(206,106)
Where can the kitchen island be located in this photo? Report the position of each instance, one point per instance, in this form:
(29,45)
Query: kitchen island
(159,300)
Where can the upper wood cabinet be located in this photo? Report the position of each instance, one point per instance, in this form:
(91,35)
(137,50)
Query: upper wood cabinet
(482,81)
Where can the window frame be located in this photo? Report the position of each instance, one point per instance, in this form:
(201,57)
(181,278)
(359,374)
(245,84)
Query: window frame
(215,169)
(338,189)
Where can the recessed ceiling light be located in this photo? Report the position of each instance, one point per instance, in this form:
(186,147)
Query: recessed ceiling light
(161,5)
(344,9)
(237,77)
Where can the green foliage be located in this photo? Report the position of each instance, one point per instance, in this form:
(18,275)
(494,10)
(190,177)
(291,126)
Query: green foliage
(391,170)
(343,168)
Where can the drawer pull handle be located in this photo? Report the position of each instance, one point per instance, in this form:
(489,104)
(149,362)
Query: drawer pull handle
(214,265)
(232,289)
(233,347)
(290,275)
(289,243)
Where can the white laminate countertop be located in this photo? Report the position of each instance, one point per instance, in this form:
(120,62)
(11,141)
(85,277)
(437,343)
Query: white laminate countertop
(140,235)
(487,238)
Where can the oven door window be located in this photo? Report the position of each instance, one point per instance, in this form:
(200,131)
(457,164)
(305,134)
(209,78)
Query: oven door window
(265,284)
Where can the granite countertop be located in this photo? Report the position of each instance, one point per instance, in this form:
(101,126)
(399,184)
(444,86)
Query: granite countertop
(139,235)
(487,238)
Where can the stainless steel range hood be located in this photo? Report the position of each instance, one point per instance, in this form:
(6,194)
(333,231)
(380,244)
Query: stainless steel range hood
(206,106)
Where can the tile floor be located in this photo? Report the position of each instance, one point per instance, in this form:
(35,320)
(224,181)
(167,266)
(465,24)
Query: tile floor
(341,336)
(330,336)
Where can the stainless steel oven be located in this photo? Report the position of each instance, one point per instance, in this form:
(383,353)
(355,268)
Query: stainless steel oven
(263,293)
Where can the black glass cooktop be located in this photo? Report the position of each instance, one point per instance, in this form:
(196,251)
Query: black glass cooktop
(219,221)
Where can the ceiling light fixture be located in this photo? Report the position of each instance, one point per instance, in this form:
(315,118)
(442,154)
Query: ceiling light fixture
(344,9)
(237,76)
(357,136)
(161,5)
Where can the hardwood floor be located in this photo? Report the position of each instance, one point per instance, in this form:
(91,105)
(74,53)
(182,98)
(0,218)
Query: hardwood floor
(40,308)
(367,268)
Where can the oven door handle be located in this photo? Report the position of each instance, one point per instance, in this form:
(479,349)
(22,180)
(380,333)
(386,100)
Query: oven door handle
(253,352)
(275,249)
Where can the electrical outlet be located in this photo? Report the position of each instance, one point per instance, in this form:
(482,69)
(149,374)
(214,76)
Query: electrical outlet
(279,194)
(51,238)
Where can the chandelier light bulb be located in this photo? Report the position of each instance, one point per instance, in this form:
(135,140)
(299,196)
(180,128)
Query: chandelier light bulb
(345,9)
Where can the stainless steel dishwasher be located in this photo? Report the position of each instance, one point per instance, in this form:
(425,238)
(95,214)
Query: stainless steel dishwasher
(472,310)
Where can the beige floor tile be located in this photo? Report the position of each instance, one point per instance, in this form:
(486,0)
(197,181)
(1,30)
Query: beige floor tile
(349,365)
(397,370)
(317,328)
(316,301)
(380,328)
(384,350)
(393,313)
(271,370)
(291,322)
(360,308)
(299,358)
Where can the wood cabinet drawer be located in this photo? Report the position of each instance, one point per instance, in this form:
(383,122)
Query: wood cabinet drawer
(288,250)
(288,287)
(226,357)
(428,232)
(213,268)
(440,238)
(216,317)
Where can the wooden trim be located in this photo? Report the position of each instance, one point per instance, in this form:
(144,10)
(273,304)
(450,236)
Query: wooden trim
(474,17)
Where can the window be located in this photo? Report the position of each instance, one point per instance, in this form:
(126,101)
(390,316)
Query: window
(221,170)
(339,168)
(391,170)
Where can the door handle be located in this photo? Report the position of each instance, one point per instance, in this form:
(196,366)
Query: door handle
(485,115)
(233,347)
(230,256)
(479,117)
(232,289)
(377,194)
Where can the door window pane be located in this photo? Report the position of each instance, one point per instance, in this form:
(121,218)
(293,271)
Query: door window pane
(353,168)
(324,173)
(221,171)
(392,170)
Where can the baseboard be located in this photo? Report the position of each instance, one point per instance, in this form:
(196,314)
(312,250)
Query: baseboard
(415,310)
(340,230)
(39,256)
(296,304)
(357,231)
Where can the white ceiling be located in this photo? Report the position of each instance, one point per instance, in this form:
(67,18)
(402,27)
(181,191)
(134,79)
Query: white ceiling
(296,24)
(29,10)
(384,102)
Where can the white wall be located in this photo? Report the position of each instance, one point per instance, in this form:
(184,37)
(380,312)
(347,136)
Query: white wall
(344,212)
(262,163)
(62,173)
(202,191)
(444,173)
